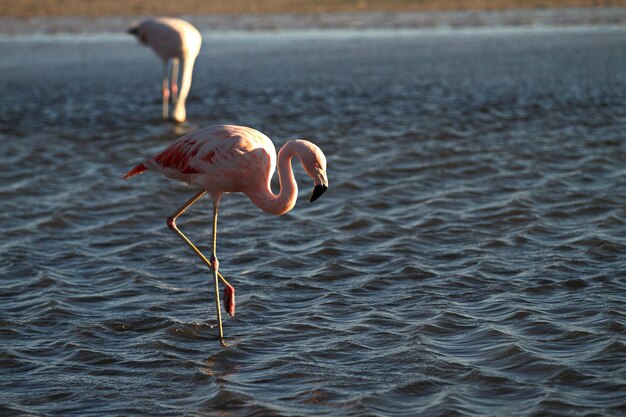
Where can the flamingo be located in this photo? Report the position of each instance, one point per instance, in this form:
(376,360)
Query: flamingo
(177,41)
(223,159)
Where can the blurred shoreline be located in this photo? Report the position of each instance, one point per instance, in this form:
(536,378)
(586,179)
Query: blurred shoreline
(95,8)
(520,18)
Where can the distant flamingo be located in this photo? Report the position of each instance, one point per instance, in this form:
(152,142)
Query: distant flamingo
(223,159)
(172,40)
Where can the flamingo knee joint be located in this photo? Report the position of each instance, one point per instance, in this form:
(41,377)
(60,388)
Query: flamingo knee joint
(215,264)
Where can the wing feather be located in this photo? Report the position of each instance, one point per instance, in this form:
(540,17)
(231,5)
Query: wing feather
(220,158)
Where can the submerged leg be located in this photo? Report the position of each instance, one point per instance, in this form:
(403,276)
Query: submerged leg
(215,266)
(213,263)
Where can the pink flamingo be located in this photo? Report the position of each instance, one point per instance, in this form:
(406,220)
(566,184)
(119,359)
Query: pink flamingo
(172,40)
(223,159)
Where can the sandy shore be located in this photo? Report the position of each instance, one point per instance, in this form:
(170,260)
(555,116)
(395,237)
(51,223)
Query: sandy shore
(43,8)
(10,26)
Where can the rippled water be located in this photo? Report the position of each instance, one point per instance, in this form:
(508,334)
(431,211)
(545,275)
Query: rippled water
(468,259)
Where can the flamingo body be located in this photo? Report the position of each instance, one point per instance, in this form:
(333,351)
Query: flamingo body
(176,41)
(227,158)
(224,159)
(219,159)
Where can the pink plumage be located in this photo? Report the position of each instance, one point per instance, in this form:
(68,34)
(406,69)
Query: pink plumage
(228,158)
(177,42)
(139,169)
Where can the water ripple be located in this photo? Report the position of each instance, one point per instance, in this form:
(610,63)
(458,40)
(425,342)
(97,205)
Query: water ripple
(467,259)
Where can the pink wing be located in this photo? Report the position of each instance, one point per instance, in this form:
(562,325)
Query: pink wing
(181,155)
(217,159)
(175,159)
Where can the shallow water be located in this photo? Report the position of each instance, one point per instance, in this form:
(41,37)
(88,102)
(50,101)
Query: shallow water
(468,259)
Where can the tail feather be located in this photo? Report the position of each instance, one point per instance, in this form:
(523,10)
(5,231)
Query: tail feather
(139,169)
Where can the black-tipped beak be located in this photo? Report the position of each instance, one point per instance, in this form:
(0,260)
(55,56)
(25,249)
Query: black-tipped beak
(317,192)
(132,31)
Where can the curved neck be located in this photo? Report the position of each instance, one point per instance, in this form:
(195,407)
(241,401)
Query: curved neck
(265,199)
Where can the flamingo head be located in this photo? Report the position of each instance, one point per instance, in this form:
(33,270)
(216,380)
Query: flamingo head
(229,299)
(136,30)
(314,163)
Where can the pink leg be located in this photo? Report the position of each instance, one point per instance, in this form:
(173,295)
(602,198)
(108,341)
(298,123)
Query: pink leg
(174,82)
(166,91)
(213,263)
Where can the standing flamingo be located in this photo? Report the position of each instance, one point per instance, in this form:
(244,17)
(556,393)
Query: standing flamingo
(172,40)
(223,159)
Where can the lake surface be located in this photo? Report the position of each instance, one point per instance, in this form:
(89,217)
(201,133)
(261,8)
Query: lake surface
(469,258)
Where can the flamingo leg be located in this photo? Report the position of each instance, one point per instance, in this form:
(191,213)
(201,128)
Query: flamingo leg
(215,266)
(213,263)
(174,81)
(166,90)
